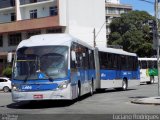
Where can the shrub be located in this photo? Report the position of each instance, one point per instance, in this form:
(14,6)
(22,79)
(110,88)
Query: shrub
(7,72)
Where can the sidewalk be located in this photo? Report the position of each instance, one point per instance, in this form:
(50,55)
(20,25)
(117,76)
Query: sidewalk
(147,101)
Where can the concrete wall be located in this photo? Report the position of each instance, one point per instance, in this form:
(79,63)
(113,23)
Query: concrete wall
(82,16)
(42,10)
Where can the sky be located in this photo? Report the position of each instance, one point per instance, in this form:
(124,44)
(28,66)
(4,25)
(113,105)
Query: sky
(140,5)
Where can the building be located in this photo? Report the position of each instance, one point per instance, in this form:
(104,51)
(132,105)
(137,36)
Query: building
(114,9)
(20,19)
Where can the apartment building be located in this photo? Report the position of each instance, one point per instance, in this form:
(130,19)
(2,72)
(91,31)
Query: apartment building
(20,19)
(114,9)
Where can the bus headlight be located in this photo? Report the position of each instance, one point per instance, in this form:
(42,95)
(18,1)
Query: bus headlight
(63,85)
(15,88)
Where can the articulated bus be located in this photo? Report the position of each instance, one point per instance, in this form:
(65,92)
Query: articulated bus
(148,70)
(52,66)
(116,68)
(59,66)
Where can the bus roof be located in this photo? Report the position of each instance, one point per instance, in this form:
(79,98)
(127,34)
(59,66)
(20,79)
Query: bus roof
(51,39)
(147,59)
(116,51)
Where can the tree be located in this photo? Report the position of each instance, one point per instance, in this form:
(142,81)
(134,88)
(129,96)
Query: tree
(7,71)
(133,32)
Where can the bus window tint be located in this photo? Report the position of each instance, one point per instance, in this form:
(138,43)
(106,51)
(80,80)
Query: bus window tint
(155,64)
(124,62)
(150,64)
(103,60)
(91,59)
(83,57)
(144,64)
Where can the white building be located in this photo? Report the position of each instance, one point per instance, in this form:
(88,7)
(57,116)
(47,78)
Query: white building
(20,19)
(113,1)
(114,9)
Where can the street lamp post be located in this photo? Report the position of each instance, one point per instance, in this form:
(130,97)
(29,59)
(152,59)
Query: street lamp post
(157,43)
(157,39)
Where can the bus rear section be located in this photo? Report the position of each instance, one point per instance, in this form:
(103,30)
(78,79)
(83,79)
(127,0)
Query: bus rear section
(148,70)
(116,68)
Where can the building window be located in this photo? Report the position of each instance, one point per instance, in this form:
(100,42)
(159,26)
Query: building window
(33,14)
(54,30)
(12,2)
(13,16)
(1,41)
(33,1)
(14,39)
(53,11)
(111,11)
(29,34)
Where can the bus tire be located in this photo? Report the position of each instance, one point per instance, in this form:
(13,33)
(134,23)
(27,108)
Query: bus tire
(124,84)
(148,82)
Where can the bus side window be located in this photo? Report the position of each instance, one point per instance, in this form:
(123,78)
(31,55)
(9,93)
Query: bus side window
(124,62)
(144,64)
(86,58)
(109,60)
(91,59)
(135,63)
(155,64)
(140,65)
(73,60)
(114,61)
(103,58)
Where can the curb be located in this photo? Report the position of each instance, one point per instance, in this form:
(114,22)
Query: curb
(147,101)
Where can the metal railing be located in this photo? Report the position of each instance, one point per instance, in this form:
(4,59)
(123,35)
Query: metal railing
(23,2)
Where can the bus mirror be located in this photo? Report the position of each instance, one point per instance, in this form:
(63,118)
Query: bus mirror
(73,56)
(9,57)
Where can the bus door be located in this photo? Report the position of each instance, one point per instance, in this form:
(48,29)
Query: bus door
(82,59)
(144,76)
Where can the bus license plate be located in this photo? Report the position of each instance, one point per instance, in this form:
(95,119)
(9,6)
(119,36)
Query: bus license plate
(38,96)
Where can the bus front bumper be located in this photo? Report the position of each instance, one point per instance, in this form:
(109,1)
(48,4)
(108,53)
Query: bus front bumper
(59,94)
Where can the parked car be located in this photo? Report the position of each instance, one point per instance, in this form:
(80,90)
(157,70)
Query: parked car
(5,84)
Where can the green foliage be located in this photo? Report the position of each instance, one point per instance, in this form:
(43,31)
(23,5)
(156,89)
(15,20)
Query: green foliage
(132,32)
(7,72)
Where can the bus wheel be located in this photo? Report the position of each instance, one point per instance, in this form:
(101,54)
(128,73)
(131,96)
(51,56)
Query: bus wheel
(124,85)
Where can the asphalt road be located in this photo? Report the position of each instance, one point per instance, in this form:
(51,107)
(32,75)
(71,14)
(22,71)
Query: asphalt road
(104,102)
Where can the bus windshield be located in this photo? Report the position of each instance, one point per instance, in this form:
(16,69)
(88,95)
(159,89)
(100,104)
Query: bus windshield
(49,61)
(144,64)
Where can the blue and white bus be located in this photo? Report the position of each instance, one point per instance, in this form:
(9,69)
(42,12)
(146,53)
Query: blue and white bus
(52,66)
(59,66)
(116,68)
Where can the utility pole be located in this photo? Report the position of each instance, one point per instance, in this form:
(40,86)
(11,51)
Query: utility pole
(157,43)
(157,39)
(94,37)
